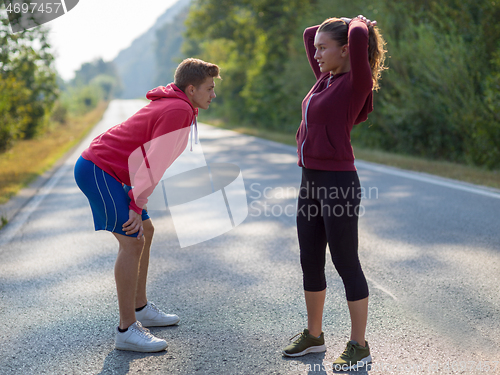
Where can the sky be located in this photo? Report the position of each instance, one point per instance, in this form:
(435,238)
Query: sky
(100,28)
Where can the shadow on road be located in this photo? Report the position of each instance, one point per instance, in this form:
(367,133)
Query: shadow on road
(315,363)
(118,362)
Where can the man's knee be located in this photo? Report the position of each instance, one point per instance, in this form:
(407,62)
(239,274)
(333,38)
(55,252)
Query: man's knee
(136,245)
(149,228)
(130,245)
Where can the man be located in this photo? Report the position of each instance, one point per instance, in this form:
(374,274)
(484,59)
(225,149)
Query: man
(117,173)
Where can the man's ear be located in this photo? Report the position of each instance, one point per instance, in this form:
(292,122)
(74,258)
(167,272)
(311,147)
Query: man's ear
(190,90)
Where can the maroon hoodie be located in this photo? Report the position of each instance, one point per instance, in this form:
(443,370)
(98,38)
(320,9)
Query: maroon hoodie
(139,150)
(334,105)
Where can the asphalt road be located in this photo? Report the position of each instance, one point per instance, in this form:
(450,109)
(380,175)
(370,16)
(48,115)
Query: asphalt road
(430,249)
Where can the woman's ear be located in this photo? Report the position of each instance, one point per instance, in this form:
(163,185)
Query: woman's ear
(345,50)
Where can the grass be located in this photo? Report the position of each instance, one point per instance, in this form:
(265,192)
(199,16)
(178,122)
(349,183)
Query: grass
(466,173)
(28,159)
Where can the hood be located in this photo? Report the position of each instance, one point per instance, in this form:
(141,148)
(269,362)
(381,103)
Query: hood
(367,108)
(169,91)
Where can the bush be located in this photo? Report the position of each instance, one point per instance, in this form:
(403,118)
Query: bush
(28,86)
(439,99)
(59,113)
(13,118)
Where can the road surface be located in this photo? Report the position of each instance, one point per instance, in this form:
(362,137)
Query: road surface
(430,249)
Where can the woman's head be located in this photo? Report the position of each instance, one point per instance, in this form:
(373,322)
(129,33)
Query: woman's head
(331,47)
(336,30)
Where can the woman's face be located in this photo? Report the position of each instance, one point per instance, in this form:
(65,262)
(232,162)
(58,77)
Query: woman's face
(329,54)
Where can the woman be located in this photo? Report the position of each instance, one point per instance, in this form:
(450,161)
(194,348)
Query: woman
(347,58)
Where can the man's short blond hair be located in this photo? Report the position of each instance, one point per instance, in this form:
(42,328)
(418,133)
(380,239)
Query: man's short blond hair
(194,72)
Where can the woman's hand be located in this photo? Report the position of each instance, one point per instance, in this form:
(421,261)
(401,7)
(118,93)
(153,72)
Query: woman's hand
(133,224)
(346,20)
(367,21)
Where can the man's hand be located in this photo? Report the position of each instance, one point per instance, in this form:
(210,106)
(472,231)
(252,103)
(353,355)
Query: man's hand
(133,224)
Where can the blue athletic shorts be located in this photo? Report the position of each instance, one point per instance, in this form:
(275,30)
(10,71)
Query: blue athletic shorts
(108,198)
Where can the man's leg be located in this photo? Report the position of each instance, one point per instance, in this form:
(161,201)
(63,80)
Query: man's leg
(150,315)
(126,276)
(141,298)
(135,337)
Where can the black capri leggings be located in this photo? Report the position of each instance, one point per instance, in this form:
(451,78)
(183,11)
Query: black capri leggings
(327,212)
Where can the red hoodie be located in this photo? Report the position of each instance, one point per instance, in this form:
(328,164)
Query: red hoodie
(334,105)
(138,151)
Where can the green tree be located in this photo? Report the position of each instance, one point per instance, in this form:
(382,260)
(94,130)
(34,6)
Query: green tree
(250,40)
(439,98)
(29,86)
(168,48)
(433,100)
(13,118)
(101,73)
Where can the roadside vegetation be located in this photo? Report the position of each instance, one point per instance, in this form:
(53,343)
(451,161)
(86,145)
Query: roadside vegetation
(467,173)
(29,158)
(42,116)
(439,99)
(437,110)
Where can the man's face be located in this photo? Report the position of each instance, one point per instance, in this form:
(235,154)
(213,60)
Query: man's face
(202,96)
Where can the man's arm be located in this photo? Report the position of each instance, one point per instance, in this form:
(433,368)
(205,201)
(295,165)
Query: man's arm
(148,163)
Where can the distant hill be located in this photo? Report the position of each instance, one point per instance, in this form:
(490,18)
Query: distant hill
(137,65)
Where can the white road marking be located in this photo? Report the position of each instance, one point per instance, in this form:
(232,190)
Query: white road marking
(380,287)
(20,219)
(117,109)
(423,177)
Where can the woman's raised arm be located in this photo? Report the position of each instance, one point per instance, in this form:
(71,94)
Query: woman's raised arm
(309,35)
(358,54)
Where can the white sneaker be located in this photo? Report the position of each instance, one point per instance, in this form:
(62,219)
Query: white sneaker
(138,339)
(152,316)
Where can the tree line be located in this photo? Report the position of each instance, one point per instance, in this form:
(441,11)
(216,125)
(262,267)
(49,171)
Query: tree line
(439,99)
(33,98)
(28,85)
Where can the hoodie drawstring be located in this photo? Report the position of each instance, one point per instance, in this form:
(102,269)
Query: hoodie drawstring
(195,123)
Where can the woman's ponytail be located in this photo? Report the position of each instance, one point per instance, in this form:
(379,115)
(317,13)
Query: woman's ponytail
(376,54)
(338,30)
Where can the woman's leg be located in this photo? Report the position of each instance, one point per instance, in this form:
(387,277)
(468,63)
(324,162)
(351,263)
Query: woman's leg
(315,302)
(345,258)
(359,317)
(342,233)
(312,243)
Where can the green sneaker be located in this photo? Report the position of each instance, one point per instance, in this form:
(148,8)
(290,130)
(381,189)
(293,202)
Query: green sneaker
(353,357)
(306,343)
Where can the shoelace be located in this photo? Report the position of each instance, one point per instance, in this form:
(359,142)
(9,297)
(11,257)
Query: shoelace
(153,306)
(300,338)
(349,350)
(142,331)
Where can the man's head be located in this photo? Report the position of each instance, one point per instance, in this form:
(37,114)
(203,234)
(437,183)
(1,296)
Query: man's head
(196,78)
